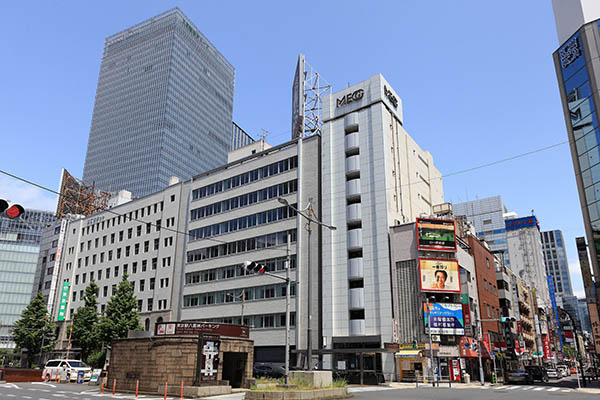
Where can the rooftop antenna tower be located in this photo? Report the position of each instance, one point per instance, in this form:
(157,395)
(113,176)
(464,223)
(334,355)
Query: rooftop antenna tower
(307,92)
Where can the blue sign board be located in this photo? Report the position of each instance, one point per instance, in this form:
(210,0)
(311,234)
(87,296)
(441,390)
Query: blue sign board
(446,319)
(518,223)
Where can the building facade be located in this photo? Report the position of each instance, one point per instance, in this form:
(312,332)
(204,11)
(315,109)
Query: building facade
(142,238)
(555,258)
(163,107)
(527,258)
(236,216)
(239,137)
(19,247)
(487,216)
(374,176)
(578,28)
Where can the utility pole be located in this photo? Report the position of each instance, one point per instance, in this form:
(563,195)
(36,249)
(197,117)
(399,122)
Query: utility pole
(430,341)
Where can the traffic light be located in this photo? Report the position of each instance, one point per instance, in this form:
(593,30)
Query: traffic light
(11,212)
(508,319)
(252,267)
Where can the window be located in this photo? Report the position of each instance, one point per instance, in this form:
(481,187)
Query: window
(134,267)
(107,273)
(158,225)
(129,233)
(154,262)
(487,263)
(99,274)
(136,248)
(144,265)
(488,311)
(148,227)
(142,285)
(149,304)
(105,292)
(139,230)
(156,243)
(116,271)
(152,282)
(487,221)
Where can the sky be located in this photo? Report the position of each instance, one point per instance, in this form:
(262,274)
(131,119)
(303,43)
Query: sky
(476,79)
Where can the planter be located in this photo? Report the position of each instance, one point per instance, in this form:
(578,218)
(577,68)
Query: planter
(329,393)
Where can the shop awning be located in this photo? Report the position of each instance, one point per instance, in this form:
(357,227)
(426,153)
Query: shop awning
(408,354)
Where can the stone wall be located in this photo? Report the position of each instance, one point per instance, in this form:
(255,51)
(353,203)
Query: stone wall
(157,360)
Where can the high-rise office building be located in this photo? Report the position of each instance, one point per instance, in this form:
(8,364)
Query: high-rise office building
(19,248)
(374,175)
(487,216)
(555,257)
(163,107)
(578,74)
(527,260)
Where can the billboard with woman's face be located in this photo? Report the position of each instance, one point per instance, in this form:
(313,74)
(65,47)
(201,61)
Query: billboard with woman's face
(439,275)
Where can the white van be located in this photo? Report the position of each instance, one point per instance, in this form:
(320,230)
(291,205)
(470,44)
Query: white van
(66,368)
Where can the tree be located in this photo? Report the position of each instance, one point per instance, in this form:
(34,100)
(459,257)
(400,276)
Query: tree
(33,328)
(85,321)
(570,352)
(121,313)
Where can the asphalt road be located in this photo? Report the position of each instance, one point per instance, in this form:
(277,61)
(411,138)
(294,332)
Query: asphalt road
(564,388)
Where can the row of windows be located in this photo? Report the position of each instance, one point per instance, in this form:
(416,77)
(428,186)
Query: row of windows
(248,221)
(168,241)
(246,199)
(165,262)
(236,295)
(257,321)
(113,236)
(246,178)
(241,246)
(154,208)
(236,271)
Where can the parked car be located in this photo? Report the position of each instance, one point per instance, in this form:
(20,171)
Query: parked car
(537,373)
(553,373)
(589,373)
(268,371)
(563,370)
(68,368)
(519,376)
(573,370)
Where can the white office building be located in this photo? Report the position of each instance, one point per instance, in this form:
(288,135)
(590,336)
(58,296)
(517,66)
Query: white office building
(374,175)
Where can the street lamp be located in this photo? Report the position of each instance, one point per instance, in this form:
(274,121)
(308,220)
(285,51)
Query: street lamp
(242,298)
(310,218)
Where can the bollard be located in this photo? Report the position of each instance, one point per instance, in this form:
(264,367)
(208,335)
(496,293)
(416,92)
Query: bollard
(114,385)
(102,386)
(181,394)
(59,376)
(166,384)
(137,387)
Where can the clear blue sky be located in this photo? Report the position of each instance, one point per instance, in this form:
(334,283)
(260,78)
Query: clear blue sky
(476,80)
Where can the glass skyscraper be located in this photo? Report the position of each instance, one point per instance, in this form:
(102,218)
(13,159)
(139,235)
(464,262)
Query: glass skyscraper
(555,258)
(19,248)
(578,76)
(163,107)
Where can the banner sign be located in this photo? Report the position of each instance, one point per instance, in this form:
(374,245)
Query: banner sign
(208,367)
(64,297)
(446,319)
(436,234)
(197,328)
(439,275)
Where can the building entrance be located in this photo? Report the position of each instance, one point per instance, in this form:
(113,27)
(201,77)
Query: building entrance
(234,365)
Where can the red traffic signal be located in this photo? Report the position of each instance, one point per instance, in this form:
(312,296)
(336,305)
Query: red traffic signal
(252,267)
(11,212)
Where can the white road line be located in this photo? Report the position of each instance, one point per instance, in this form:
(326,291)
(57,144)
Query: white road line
(553,389)
(566,390)
(527,387)
(10,395)
(513,387)
(26,397)
(539,388)
(43,383)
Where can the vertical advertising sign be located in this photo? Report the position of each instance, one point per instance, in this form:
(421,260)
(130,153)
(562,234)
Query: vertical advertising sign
(64,297)
(546,345)
(208,358)
(298,99)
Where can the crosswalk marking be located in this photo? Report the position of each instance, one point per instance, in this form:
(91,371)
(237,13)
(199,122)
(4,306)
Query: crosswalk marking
(553,389)
(527,387)
(540,388)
